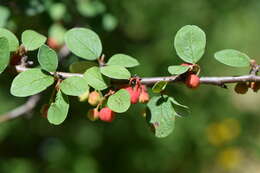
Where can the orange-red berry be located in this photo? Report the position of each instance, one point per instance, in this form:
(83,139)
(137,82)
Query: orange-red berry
(52,43)
(192,81)
(144,96)
(94,98)
(134,93)
(106,115)
(241,88)
(255,86)
(93,114)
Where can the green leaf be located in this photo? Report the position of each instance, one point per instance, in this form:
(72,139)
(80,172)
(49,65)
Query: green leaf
(123,60)
(4,15)
(95,79)
(120,101)
(12,39)
(58,110)
(177,69)
(109,22)
(74,86)
(159,86)
(4,53)
(81,66)
(115,72)
(83,43)
(162,116)
(190,43)
(233,58)
(181,112)
(30,82)
(32,40)
(57,11)
(47,58)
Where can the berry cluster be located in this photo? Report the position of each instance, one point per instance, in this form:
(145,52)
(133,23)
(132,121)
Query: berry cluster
(138,93)
(242,88)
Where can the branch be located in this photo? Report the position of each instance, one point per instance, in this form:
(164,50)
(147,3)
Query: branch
(219,81)
(21,110)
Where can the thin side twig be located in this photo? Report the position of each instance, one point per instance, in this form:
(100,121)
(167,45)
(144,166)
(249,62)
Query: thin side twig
(21,110)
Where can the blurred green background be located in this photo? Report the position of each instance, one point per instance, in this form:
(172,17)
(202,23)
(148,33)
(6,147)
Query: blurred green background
(222,133)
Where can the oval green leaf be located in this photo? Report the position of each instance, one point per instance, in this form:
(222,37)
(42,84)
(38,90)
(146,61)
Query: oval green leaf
(159,86)
(74,86)
(47,58)
(120,101)
(190,43)
(81,66)
(4,53)
(115,72)
(162,116)
(232,58)
(32,40)
(94,78)
(58,110)
(12,39)
(30,82)
(123,60)
(177,69)
(83,43)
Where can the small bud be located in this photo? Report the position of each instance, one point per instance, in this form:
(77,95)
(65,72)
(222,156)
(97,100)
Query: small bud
(44,110)
(241,88)
(134,93)
(144,96)
(106,115)
(94,98)
(192,81)
(93,114)
(83,97)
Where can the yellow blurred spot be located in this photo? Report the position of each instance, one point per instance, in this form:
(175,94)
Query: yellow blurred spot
(229,158)
(222,132)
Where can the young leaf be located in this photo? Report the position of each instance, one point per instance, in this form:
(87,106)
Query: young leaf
(162,116)
(119,102)
(4,53)
(95,79)
(115,72)
(181,112)
(83,43)
(190,43)
(232,58)
(177,69)
(32,40)
(30,82)
(159,86)
(12,39)
(47,58)
(74,86)
(57,32)
(81,66)
(123,60)
(58,110)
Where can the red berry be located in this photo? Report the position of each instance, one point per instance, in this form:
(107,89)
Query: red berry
(192,81)
(94,98)
(93,114)
(106,114)
(144,96)
(134,93)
